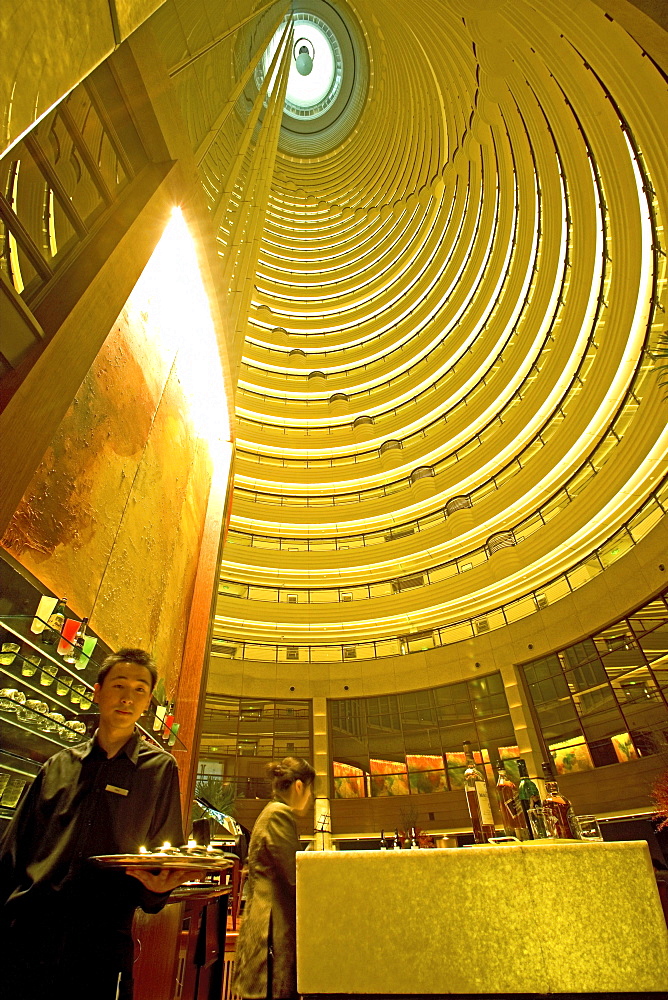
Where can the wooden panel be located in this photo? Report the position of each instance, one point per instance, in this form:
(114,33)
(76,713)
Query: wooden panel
(34,412)
(156,937)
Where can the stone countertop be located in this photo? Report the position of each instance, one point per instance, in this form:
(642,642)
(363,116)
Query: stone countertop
(522,918)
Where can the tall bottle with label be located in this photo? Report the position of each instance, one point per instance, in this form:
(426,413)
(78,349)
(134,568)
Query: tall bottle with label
(514,822)
(477,799)
(396,845)
(383,845)
(51,634)
(528,794)
(558,806)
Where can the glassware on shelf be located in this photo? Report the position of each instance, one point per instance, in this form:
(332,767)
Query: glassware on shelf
(45,609)
(86,699)
(160,713)
(34,711)
(63,684)
(24,712)
(30,664)
(69,734)
(169,721)
(74,731)
(12,792)
(48,674)
(67,635)
(54,721)
(76,690)
(89,644)
(11,698)
(4,778)
(8,652)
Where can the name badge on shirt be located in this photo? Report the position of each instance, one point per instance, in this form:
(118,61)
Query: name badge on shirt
(116,790)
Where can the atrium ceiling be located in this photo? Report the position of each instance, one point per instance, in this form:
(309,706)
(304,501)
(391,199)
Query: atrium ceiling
(445,291)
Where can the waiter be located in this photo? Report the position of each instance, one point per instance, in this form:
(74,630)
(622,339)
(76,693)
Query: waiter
(65,925)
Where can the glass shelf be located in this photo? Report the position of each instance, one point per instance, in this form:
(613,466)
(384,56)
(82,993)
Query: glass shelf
(16,772)
(67,678)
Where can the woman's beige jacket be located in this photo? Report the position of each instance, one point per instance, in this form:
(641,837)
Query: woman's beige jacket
(269,920)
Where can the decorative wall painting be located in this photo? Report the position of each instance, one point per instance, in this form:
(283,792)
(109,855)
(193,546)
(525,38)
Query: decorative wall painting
(426,773)
(456,764)
(348,781)
(388,777)
(508,756)
(571,755)
(624,747)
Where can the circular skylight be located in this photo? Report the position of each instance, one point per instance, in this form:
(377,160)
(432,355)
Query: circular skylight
(311,95)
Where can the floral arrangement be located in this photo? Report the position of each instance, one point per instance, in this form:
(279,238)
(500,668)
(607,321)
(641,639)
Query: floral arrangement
(660,800)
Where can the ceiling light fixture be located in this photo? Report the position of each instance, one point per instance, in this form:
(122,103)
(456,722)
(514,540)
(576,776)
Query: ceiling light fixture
(304,59)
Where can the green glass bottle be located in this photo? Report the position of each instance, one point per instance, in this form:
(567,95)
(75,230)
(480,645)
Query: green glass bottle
(528,793)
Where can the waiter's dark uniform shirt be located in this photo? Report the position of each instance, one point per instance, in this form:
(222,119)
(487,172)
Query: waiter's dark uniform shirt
(58,907)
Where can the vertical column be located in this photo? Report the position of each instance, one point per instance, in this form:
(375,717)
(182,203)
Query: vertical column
(520,713)
(322,810)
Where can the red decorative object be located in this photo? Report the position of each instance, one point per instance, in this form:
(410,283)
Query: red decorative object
(69,631)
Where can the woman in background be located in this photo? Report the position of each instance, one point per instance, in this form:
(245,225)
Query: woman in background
(266,956)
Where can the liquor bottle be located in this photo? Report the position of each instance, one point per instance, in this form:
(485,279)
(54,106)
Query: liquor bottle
(414,844)
(528,793)
(76,649)
(45,609)
(396,846)
(514,822)
(383,845)
(477,799)
(51,633)
(558,806)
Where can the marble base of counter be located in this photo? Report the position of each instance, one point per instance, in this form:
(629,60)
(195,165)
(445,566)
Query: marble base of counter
(536,918)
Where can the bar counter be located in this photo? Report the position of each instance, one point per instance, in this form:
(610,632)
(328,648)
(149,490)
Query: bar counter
(545,917)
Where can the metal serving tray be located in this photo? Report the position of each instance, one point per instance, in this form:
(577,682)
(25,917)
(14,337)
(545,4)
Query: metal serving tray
(206,861)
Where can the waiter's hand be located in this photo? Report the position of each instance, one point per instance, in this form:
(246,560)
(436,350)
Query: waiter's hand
(166,879)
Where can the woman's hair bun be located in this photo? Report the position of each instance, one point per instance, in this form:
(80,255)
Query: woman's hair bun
(276,769)
(285,772)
